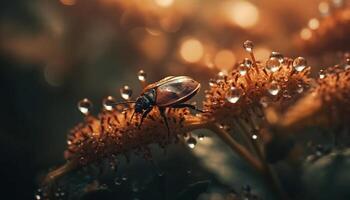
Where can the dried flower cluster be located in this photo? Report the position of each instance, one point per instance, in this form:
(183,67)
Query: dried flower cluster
(113,133)
(252,85)
(327,103)
(236,100)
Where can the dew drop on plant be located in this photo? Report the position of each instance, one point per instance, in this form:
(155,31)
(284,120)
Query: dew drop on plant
(300,88)
(109,103)
(126,92)
(321,74)
(221,76)
(85,106)
(124,178)
(347,64)
(248,46)
(299,64)
(141,75)
(248,63)
(254,136)
(117,181)
(273,64)
(274,88)
(319,150)
(191,142)
(278,56)
(234,95)
(212,82)
(242,69)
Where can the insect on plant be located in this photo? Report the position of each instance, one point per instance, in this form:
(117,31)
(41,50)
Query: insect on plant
(169,92)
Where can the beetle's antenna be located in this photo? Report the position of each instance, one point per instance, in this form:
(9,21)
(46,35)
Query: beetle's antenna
(125,102)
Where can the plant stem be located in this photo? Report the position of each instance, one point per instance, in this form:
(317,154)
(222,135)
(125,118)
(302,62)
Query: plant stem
(267,170)
(236,147)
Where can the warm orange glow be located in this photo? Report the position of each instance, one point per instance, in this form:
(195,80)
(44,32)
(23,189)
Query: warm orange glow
(224,60)
(314,24)
(164,3)
(68,2)
(242,13)
(262,53)
(323,7)
(305,33)
(191,50)
(154,47)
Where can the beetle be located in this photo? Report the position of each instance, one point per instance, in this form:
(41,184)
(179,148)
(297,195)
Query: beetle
(169,92)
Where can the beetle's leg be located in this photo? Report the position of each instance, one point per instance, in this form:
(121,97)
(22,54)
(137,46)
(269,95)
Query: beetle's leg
(162,113)
(144,115)
(190,106)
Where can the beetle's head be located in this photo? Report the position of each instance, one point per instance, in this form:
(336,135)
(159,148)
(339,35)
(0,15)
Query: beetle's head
(141,104)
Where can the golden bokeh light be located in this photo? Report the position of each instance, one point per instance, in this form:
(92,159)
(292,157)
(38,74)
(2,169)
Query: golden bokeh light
(68,2)
(242,13)
(323,7)
(164,3)
(305,33)
(224,60)
(191,50)
(314,24)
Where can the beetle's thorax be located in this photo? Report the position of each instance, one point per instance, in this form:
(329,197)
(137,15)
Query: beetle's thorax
(145,101)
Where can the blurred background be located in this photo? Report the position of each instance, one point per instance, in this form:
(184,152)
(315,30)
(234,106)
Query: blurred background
(54,53)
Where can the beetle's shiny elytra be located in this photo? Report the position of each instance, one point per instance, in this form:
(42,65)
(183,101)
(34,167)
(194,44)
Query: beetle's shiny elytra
(172,91)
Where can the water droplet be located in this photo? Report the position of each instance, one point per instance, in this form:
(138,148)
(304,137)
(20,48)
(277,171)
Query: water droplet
(248,46)
(85,106)
(38,197)
(299,64)
(254,136)
(274,88)
(117,181)
(264,101)
(221,76)
(347,63)
(126,92)
(319,150)
(273,64)
(277,55)
(191,142)
(248,63)
(201,137)
(212,82)
(234,94)
(321,74)
(300,88)
(124,178)
(141,75)
(242,69)
(109,103)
